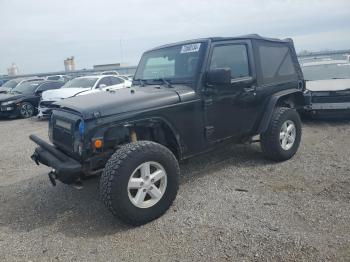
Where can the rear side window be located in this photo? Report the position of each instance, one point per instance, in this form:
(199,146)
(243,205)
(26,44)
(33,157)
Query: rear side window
(233,56)
(56,85)
(105,81)
(116,81)
(276,64)
(49,86)
(44,87)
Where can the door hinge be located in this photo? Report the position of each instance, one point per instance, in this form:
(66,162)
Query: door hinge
(209,131)
(208,102)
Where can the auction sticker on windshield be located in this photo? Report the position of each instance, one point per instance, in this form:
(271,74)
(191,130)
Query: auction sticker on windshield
(191,48)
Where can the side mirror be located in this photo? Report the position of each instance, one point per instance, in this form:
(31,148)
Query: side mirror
(219,76)
(102,86)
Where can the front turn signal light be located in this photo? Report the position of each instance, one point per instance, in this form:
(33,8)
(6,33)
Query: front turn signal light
(98,143)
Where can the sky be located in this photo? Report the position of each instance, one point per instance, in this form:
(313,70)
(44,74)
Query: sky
(38,35)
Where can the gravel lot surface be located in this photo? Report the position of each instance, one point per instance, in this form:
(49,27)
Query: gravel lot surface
(232,205)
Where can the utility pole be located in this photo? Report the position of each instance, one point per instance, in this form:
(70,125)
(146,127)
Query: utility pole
(121,51)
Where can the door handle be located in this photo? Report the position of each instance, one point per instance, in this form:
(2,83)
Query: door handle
(249,89)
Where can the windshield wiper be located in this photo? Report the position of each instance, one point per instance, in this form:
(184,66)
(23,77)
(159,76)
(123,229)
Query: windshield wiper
(165,81)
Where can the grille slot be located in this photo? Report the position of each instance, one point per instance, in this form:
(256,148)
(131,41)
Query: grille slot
(63,133)
(331,99)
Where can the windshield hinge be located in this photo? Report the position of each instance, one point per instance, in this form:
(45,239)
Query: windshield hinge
(96,115)
(208,102)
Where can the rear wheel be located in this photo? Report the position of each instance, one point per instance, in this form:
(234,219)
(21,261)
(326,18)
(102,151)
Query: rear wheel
(282,138)
(26,110)
(140,182)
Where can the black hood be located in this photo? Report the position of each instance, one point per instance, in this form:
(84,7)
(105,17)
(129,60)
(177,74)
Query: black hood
(9,97)
(126,100)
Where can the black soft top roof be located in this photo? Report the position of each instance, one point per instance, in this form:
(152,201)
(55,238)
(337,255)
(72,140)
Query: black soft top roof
(252,36)
(214,39)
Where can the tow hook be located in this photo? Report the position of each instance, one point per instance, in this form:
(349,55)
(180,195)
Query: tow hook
(35,158)
(52,177)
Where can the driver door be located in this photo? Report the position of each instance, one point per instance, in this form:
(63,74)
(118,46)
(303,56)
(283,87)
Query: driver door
(231,110)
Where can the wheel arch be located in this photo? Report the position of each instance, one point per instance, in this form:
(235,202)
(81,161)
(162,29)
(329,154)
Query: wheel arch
(162,132)
(156,129)
(292,98)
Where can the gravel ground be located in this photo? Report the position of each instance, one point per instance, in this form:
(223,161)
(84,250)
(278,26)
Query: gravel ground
(232,205)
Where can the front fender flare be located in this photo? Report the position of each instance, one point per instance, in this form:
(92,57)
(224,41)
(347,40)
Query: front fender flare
(176,135)
(146,122)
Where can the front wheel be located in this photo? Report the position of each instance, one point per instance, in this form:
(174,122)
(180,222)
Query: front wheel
(281,140)
(140,182)
(26,110)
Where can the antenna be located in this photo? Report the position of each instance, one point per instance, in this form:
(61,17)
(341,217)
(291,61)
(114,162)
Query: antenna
(121,51)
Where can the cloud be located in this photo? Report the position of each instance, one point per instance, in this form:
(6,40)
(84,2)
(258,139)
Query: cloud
(38,35)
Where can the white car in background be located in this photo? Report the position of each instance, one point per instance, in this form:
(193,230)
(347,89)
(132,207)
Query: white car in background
(80,86)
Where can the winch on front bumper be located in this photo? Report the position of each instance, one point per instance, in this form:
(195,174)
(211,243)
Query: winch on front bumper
(67,169)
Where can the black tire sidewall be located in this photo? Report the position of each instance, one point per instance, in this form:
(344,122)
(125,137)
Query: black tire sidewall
(270,140)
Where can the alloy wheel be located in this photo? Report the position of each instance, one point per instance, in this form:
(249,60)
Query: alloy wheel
(27,110)
(287,135)
(147,184)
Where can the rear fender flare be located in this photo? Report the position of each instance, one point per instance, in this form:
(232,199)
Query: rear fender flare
(271,104)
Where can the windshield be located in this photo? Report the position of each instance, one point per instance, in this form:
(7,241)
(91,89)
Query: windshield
(81,82)
(110,73)
(10,84)
(25,88)
(178,62)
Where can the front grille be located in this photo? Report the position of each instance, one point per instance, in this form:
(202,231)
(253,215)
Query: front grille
(331,99)
(63,133)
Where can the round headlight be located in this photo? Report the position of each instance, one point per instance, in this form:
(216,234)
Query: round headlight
(81,128)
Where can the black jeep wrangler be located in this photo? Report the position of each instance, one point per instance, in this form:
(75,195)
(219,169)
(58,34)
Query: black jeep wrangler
(186,99)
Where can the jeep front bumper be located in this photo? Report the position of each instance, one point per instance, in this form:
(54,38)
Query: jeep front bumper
(66,168)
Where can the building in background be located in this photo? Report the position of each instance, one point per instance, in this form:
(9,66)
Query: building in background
(12,70)
(69,64)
